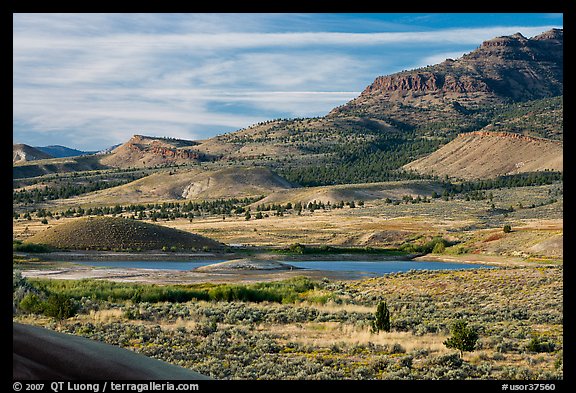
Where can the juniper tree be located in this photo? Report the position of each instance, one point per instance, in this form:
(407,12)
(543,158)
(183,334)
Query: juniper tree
(463,337)
(382,321)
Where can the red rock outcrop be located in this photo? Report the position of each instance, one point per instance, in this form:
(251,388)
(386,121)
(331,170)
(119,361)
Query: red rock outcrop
(427,82)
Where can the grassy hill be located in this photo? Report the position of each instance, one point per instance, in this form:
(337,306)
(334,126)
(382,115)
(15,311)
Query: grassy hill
(186,184)
(56,165)
(485,155)
(114,233)
(354,192)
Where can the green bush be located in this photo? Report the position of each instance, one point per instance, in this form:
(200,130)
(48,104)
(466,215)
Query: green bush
(56,305)
(439,248)
(297,249)
(507,228)
(536,344)
(287,291)
(32,303)
(382,321)
(463,337)
(17,245)
(59,307)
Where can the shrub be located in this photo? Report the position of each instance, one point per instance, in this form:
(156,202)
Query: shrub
(536,344)
(56,305)
(297,248)
(59,307)
(463,337)
(451,360)
(439,248)
(29,247)
(507,228)
(32,303)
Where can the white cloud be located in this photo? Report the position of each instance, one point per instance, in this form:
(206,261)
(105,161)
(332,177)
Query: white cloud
(107,74)
(437,58)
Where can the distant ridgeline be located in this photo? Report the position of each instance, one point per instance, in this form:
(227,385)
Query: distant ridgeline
(509,86)
(515,87)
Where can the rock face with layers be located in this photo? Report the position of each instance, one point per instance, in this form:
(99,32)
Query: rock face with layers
(509,67)
(144,151)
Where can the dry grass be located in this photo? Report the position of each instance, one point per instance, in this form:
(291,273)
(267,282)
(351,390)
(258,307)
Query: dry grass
(507,306)
(327,334)
(474,156)
(104,316)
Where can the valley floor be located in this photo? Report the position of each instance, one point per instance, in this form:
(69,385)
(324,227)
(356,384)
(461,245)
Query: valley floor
(516,308)
(518,313)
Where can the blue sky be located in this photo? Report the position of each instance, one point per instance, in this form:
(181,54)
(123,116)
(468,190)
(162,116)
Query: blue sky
(89,81)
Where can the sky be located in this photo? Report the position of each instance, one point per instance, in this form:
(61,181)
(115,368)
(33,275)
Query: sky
(89,81)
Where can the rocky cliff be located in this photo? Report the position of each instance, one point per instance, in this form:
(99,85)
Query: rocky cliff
(501,69)
(142,151)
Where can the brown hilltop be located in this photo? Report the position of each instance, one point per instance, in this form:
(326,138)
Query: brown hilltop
(110,233)
(145,151)
(25,153)
(485,155)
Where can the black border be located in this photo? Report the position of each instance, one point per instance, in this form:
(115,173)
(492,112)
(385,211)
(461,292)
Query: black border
(315,6)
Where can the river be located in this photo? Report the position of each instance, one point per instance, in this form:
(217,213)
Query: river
(368,268)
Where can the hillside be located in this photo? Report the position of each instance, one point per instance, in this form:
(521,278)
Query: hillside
(353,192)
(110,233)
(484,155)
(144,151)
(234,182)
(508,84)
(192,184)
(59,151)
(25,153)
(41,167)
(504,69)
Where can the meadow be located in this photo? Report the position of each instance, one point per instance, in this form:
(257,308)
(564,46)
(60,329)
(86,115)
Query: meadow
(321,329)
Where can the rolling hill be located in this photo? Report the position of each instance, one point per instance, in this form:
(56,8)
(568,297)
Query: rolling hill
(145,151)
(353,192)
(485,155)
(188,184)
(110,233)
(25,153)
(59,151)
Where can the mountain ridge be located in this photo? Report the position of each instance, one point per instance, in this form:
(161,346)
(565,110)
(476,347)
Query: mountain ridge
(507,84)
(24,153)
